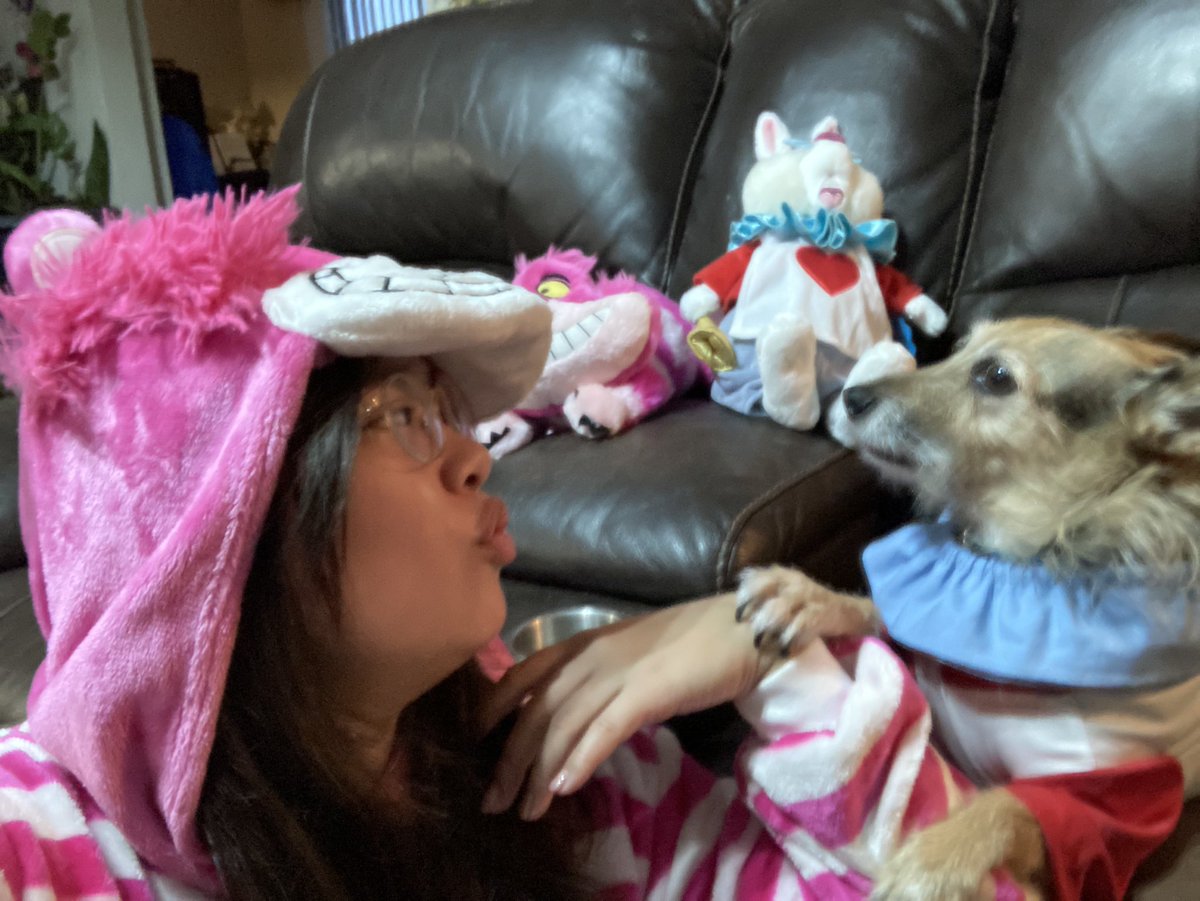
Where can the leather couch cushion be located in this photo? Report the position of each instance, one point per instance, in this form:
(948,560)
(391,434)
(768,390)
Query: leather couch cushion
(676,506)
(1088,204)
(477,136)
(21,645)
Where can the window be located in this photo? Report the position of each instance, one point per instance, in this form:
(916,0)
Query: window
(353,20)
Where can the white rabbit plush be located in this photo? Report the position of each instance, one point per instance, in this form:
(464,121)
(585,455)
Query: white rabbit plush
(800,304)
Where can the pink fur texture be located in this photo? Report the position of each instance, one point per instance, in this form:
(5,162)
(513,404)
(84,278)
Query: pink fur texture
(614,372)
(146,467)
(192,268)
(574,266)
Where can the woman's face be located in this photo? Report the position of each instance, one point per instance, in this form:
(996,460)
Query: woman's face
(423,544)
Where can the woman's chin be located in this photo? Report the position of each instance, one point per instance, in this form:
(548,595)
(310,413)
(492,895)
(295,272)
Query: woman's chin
(493,609)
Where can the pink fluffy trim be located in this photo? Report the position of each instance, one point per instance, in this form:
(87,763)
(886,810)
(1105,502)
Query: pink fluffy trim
(198,266)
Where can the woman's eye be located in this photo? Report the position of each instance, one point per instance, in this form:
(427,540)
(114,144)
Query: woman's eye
(990,376)
(404,415)
(553,287)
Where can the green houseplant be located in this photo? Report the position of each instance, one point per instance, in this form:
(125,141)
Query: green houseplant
(38,156)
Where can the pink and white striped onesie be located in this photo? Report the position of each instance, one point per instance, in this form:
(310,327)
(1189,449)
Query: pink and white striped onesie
(838,772)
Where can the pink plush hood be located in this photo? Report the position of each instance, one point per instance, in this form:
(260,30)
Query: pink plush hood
(157,399)
(146,468)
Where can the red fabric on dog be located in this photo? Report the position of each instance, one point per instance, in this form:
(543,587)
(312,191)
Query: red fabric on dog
(1099,826)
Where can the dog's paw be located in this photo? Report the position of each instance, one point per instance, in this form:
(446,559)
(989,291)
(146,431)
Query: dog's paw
(595,411)
(992,840)
(787,609)
(914,874)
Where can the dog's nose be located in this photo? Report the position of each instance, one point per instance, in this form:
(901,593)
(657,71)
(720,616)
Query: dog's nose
(858,400)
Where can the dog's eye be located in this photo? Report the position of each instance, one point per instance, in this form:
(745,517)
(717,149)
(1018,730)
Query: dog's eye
(990,376)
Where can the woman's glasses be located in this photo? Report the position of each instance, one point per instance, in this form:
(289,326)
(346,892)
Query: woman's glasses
(416,413)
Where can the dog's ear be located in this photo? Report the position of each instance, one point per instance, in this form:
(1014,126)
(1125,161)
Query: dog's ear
(1173,342)
(1163,412)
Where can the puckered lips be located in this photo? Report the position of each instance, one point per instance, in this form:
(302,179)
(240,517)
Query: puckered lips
(492,532)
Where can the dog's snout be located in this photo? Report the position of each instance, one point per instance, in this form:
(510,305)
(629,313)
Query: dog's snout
(858,400)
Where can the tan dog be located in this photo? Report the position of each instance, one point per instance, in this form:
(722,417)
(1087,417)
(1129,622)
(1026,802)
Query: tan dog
(1044,440)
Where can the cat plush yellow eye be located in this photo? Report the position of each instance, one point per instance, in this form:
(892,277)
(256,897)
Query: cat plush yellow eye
(553,287)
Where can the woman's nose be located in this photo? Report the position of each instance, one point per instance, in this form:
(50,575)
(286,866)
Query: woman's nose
(465,462)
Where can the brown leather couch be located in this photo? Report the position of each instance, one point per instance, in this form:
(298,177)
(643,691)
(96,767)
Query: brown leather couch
(1040,157)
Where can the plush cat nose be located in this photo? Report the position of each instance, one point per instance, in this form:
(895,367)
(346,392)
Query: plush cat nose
(858,400)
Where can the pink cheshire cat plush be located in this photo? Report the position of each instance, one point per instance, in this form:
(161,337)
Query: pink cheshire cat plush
(619,353)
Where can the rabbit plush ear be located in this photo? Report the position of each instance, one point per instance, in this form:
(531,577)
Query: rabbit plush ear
(828,130)
(769,135)
(39,251)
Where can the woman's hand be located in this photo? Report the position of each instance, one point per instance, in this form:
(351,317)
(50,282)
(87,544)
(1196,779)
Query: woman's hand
(580,699)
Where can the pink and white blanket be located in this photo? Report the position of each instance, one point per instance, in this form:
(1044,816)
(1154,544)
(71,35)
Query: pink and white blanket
(838,772)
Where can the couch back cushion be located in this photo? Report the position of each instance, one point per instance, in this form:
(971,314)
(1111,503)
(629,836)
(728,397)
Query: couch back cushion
(471,136)
(1090,199)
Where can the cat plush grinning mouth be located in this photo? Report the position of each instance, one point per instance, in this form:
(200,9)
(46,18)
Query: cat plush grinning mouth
(570,339)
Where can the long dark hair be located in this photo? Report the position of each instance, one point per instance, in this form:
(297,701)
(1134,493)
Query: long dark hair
(283,813)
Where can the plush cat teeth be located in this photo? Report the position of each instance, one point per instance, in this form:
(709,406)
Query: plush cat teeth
(570,339)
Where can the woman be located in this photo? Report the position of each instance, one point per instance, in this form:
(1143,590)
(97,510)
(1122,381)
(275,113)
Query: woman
(266,578)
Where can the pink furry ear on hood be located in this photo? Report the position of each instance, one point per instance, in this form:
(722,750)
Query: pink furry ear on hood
(40,249)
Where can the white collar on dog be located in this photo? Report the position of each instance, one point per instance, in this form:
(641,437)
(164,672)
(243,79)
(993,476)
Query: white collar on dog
(1015,622)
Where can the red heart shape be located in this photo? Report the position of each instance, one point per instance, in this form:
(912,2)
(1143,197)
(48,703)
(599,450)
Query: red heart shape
(834,272)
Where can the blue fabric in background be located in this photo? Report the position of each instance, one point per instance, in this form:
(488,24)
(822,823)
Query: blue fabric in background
(188,159)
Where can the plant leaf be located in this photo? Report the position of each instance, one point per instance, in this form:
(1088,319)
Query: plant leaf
(30,182)
(96,177)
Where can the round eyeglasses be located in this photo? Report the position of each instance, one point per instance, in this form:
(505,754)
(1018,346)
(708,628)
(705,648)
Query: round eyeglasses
(416,413)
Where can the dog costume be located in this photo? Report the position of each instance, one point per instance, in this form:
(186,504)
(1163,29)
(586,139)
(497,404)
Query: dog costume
(1092,683)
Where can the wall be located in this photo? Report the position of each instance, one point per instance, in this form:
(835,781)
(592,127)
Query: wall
(206,37)
(245,51)
(278,52)
(107,79)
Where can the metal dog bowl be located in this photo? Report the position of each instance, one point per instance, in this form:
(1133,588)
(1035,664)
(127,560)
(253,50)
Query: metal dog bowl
(550,628)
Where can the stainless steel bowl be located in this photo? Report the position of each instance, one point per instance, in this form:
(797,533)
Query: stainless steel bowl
(557,625)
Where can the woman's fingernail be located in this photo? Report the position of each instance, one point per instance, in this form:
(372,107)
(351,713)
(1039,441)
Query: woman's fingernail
(559,784)
(491,800)
(529,810)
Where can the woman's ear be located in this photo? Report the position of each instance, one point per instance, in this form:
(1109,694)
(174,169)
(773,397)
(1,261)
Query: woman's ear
(1163,412)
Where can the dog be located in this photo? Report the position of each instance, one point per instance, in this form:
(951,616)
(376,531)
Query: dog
(1037,441)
